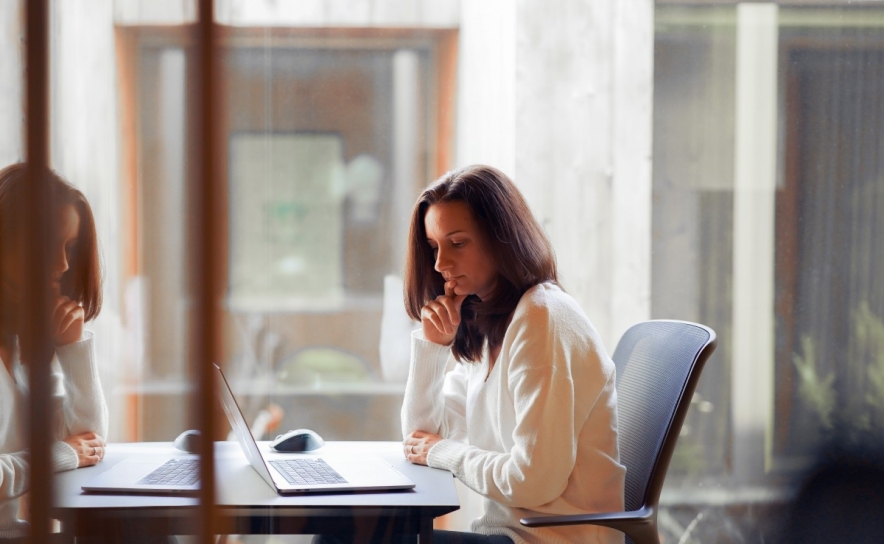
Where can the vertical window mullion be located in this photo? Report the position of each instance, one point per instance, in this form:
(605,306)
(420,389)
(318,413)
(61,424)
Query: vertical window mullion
(206,268)
(35,348)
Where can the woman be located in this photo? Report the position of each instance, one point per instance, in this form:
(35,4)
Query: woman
(527,416)
(75,290)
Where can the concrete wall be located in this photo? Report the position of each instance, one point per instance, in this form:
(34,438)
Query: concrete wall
(318,13)
(559,96)
(11,82)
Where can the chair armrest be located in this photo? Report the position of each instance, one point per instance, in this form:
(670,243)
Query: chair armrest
(640,525)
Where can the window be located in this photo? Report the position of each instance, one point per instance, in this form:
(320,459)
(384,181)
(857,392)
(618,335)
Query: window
(714,161)
(830,348)
(766,180)
(329,137)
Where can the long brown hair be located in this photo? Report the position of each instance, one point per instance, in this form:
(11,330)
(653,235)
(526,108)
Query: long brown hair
(515,241)
(82,281)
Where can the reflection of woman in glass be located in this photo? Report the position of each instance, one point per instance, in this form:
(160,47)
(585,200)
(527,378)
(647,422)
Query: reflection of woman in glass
(527,417)
(75,286)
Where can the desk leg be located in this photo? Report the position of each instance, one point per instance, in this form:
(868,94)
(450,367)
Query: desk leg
(426,534)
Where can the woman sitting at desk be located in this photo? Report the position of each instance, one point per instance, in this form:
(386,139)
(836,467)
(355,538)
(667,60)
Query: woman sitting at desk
(527,417)
(75,288)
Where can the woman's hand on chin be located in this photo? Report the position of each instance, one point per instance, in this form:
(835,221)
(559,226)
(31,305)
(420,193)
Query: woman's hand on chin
(440,318)
(67,321)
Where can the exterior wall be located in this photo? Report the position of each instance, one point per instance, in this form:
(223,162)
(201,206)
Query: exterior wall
(11,82)
(583,148)
(567,113)
(319,13)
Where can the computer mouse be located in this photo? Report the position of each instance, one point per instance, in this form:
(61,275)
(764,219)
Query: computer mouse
(188,441)
(297,441)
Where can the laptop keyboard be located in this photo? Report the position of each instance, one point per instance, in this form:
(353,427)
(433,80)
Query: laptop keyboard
(307,471)
(174,472)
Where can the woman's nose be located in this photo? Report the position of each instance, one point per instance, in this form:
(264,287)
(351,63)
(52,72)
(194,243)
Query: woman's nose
(61,261)
(442,261)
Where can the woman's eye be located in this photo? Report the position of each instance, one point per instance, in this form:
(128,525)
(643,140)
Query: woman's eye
(457,244)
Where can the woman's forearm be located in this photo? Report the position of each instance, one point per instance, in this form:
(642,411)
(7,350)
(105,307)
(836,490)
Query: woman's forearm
(84,407)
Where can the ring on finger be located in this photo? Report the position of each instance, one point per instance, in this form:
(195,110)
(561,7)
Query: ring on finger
(94,451)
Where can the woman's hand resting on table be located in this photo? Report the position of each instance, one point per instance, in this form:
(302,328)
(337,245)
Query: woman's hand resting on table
(89,447)
(440,318)
(417,445)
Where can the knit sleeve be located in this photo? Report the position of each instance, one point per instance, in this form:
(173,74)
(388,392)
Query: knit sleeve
(554,377)
(434,401)
(83,405)
(13,474)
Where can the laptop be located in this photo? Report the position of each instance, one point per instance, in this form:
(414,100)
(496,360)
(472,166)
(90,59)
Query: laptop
(288,473)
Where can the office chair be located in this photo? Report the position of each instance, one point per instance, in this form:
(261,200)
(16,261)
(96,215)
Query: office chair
(658,366)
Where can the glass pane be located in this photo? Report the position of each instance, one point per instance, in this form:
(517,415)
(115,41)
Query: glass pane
(805,242)
(327,138)
(830,300)
(157,294)
(693,210)
(317,175)
(88,253)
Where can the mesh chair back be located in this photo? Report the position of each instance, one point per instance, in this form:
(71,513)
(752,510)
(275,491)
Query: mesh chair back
(655,362)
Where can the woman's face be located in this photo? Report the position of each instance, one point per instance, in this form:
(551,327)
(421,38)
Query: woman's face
(459,248)
(61,247)
(64,246)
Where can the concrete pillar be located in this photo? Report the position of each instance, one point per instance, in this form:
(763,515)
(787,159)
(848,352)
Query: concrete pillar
(584,75)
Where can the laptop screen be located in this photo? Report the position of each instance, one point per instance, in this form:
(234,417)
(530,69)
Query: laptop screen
(240,427)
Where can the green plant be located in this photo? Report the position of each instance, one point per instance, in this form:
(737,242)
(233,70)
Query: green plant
(817,393)
(868,340)
(860,414)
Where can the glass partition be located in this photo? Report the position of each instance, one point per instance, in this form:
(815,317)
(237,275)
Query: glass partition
(761,218)
(766,175)
(325,138)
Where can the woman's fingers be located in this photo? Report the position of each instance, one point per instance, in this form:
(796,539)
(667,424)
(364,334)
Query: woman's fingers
(61,304)
(75,314)
(429,314)
(451,303)
(437,314)
(448,311)
(452,309)
(89,447)
(449,288)
(454,299)
(416,446)
(441,317)
(67,321)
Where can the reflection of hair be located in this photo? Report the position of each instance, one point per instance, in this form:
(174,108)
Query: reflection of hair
(515,243)
(82,281)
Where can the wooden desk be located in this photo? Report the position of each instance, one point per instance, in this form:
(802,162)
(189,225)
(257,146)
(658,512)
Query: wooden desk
(247,505)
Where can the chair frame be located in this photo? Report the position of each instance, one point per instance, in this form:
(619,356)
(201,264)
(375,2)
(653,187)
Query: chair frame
(641,525)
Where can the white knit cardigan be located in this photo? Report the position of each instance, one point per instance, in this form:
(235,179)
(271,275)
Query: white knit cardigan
(80,402)
(540,435)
